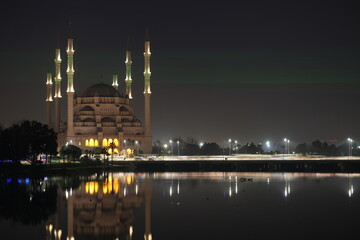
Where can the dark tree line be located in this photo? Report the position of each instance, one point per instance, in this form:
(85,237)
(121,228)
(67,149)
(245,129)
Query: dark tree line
(323,148)
(191,147)
(27,140)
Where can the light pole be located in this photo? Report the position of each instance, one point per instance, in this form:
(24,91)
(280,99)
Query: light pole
(229,146)
(178,143)
(236,147)
(170,141)
(350,146)
(288,142)
(137,147)
(165,147)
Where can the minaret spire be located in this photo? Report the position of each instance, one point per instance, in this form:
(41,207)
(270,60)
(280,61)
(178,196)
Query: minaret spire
(57,79)
(49,99)
(147,146)
(128,63)
(70,87)
(115,81)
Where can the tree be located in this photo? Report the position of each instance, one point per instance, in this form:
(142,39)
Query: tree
(26,140)
(210,149)
(71,152)
(316,147)
(301,149)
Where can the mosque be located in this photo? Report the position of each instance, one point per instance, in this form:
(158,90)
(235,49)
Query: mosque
(100,116)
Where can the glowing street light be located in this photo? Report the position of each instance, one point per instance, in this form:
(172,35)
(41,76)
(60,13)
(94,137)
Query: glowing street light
(178,145)
(229,147)
(165,147)
(350,146)
(170,141)
(287,141)
(236,146)
(137,147)
(201,144)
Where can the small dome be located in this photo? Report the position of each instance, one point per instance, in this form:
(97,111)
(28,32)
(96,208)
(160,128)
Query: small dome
(123,109)
(87,108)
(107,119)
(101,90)
(89,120)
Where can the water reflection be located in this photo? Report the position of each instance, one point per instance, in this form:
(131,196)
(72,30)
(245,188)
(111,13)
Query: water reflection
(108,205)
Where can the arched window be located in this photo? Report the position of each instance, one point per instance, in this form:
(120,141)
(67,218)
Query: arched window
(116,142)
(96,143)
(123,109)
(86,143)
(110,141)
(91,143)
(104,143)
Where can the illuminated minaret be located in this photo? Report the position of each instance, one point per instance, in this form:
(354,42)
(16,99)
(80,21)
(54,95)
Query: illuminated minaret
(147,145)
(70,88)
(57,89)
(49,99)
(128,63)
(115,81)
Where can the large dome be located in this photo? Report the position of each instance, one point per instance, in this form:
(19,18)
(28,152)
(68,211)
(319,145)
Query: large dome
(101,90)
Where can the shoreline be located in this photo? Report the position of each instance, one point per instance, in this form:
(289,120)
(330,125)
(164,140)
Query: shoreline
(311,166)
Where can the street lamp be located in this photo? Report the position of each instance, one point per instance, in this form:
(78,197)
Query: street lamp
(165,147)
(288,149)
(137,147)
(170,141)
(229,146)
(287,141)
(236,147)
(201,144)
(178,147)
(350,146)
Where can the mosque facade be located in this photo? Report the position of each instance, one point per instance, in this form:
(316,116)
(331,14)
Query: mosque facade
(100,116)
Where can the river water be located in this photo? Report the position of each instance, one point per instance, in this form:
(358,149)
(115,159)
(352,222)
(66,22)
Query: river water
(164,206)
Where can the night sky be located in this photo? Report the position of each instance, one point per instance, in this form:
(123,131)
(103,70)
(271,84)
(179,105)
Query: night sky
(250,70)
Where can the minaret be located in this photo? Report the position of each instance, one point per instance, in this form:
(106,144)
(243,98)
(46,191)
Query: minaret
(115,81)
(57,88)
(70,135)
(147,145)
(49,99)
(128,63)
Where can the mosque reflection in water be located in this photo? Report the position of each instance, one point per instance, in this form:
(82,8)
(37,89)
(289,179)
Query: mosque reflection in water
(101,208)
(103,205)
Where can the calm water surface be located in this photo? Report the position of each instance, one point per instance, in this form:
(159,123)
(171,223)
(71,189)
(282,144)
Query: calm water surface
(164,206)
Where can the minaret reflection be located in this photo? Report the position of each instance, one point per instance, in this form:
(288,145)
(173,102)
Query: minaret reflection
(287,189)
(350,186)
(103,207)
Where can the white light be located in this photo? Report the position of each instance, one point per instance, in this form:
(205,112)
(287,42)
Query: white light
(229,140)
(178,188)
(170,191)
(136,189)
(170,141)
(230,192)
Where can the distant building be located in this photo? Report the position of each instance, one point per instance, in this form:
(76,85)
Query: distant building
(100,115)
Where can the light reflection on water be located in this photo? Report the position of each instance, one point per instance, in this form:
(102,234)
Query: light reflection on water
(181,206)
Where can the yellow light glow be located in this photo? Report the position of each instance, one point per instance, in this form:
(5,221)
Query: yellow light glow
(129,151)
(92,143)
(116,185)
(86,143)
(91,187)
(104,143)
(116,142)
(116,151)
(110,141)
(96,143)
